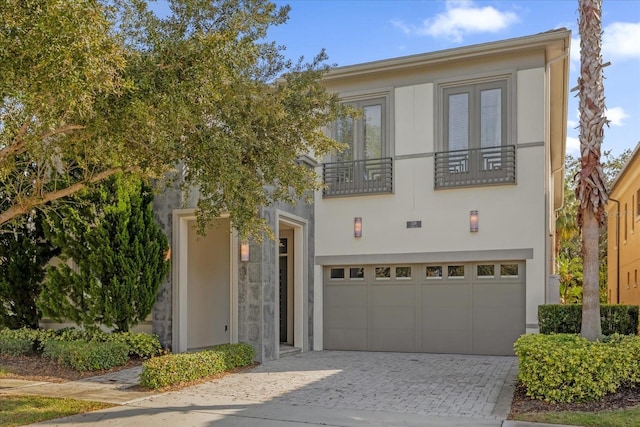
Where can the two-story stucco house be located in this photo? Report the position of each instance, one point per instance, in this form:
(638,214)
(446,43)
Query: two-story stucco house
(623,231)
(435,230)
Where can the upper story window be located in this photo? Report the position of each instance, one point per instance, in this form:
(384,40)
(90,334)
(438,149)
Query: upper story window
(364,137)
(365,165)
(474,132)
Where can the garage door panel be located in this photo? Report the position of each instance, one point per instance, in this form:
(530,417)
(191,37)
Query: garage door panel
(454,296)
(393,339)
(474,315)
(446,340)
(345,339)
(396,295)
(438,317)
(498,295)
(346,295)
(353,317)
(489,318)
(393,317)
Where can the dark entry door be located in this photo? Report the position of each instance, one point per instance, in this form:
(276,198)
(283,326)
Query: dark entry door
(283,298)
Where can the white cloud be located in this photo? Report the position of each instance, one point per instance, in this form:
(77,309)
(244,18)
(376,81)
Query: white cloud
(621,40)
(461,18)
(572,124)
(616,115)
(575,50)
(573,146)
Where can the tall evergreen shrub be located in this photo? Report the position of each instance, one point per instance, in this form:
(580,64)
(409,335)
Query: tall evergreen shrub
(114,257)
(24,254)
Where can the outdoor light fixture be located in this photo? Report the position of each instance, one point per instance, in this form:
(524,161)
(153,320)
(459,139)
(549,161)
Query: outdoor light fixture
(244,251)
(473,221)
(357,227)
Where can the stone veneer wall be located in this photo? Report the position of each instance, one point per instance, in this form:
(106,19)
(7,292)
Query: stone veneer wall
(163,205)
(257,281)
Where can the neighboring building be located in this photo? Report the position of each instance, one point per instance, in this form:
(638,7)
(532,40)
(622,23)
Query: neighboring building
(623,234)
(435,230)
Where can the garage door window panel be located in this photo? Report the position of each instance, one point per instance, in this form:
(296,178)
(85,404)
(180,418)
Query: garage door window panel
(455,272)
(434,272)
(509,270)
(337,274)
(356,273)
(403,273)
(485,271)
(383,273)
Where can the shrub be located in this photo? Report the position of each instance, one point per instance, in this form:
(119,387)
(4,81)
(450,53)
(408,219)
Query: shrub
(567,319)
(172,369)
(23,337)
(15,346)
(87,356)
(141,345)
(568,368)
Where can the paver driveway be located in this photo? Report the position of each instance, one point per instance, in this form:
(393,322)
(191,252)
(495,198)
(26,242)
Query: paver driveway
(338,388)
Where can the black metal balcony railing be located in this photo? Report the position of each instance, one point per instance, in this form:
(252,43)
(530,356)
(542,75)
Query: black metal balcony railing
(358,177)
(479,166)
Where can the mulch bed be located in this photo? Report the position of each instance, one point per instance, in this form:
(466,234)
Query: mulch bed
(37,368)
(625,398)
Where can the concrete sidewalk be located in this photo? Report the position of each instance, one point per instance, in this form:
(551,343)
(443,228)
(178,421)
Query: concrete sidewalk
(318,388)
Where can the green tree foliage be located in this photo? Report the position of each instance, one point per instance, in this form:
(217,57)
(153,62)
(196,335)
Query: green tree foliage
(23,255)
(113,257)
(90,88)
(568,241)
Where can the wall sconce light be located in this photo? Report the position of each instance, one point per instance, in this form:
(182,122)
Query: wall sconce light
(357,227)
(244,251)
(473,221)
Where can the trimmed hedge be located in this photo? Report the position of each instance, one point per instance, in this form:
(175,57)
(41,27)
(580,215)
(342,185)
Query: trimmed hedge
(567,319)
(87,356)
(173,369)
(140,345)
(568,368)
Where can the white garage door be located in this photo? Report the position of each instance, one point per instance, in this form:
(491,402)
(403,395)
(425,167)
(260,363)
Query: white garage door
(464,308)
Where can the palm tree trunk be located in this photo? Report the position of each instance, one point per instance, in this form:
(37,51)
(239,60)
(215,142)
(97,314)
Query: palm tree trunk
(590,189)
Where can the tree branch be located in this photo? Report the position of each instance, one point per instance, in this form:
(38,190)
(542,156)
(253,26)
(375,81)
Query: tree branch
(29,203)
(18,144)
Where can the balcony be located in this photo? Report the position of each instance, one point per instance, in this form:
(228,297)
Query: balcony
(371,176)
(475,167)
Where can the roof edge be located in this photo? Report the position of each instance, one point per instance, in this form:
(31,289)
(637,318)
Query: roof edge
(635,153)
(540,39)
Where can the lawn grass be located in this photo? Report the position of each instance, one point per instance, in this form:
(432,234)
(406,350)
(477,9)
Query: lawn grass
(18,410)
(620,418)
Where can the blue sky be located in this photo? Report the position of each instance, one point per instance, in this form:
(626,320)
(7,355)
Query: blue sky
(356,31)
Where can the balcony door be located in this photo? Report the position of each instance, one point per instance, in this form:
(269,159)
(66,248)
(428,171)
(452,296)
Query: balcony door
(364,137)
